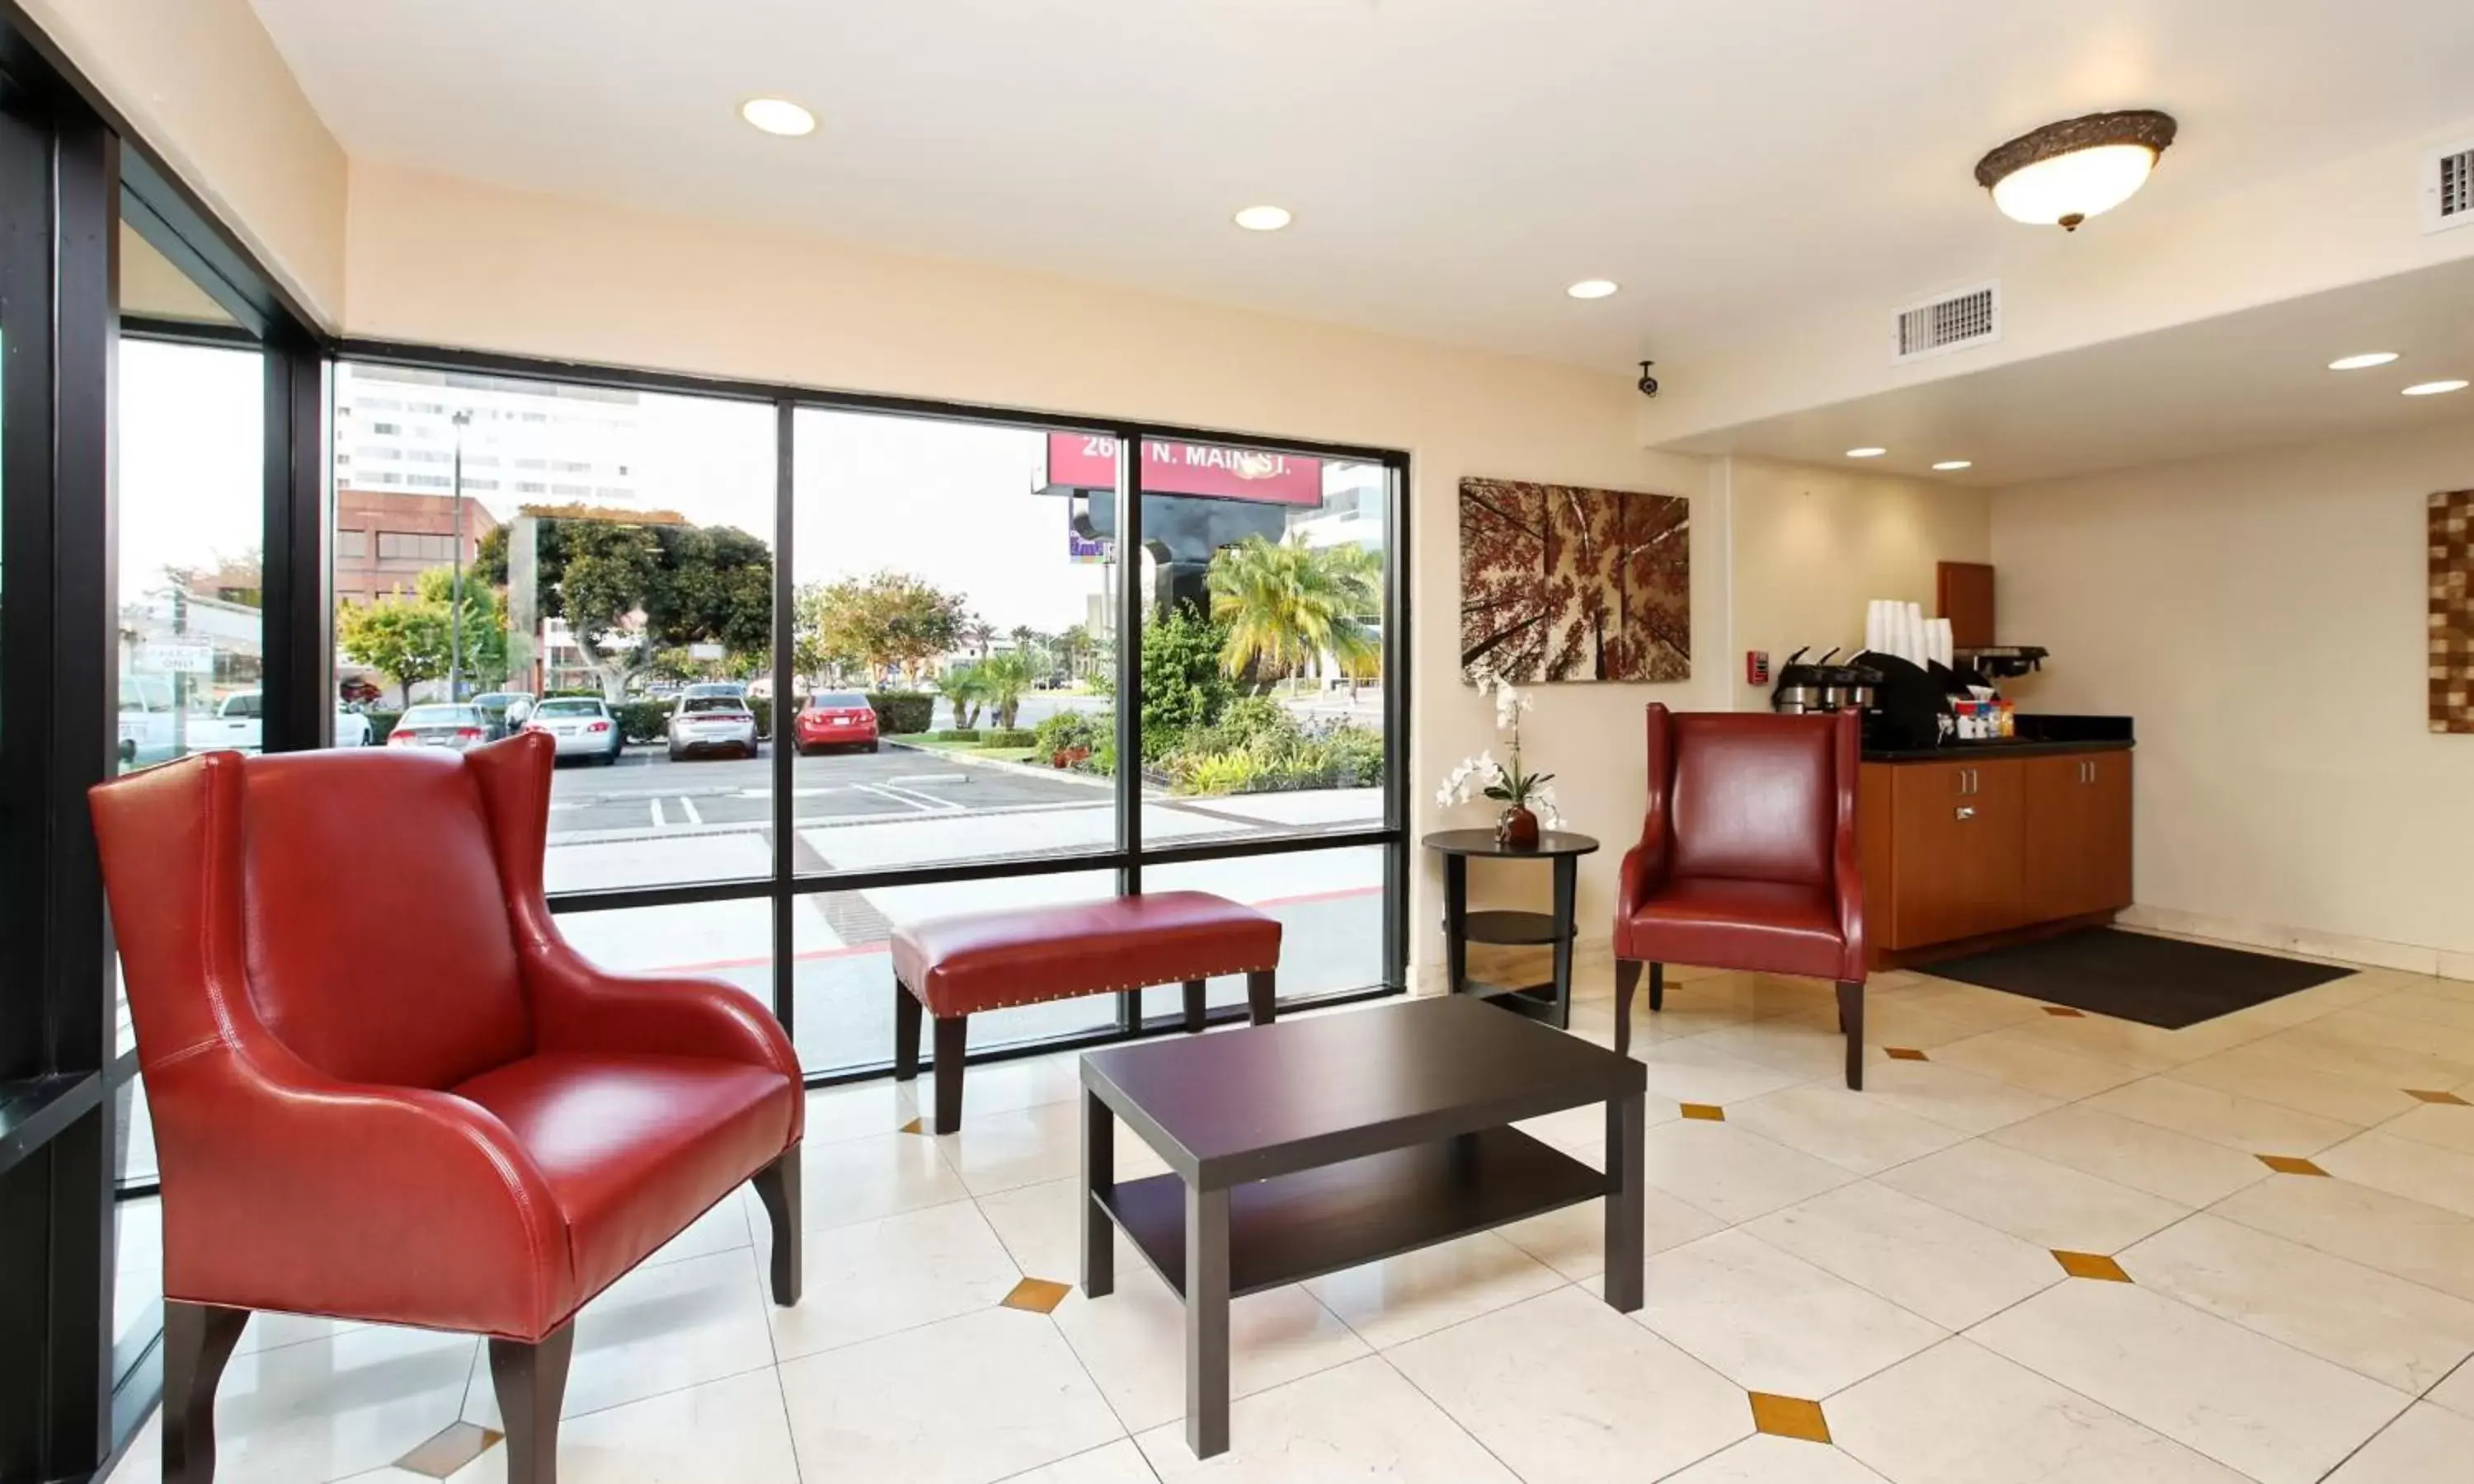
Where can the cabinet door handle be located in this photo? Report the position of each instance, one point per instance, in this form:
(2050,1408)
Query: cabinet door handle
(1966,813)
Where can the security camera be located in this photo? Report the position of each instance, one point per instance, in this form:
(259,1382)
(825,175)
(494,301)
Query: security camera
(1648,382)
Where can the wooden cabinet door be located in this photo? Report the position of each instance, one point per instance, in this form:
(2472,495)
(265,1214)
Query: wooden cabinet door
(1997,794)
(2107,837)
(1955,863)
(2078,857)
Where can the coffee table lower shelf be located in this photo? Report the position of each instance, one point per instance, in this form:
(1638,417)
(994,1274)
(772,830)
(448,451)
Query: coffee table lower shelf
(1318,1221)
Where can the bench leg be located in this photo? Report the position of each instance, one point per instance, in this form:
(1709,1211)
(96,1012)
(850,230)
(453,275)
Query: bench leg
(1261,996)
(952,1035)
(1193,1006)
(906,1033)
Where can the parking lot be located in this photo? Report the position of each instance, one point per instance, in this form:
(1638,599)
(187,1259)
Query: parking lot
(647,820)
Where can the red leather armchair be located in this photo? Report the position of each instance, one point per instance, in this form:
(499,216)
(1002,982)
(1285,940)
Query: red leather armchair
(385,1089)
(1747,859)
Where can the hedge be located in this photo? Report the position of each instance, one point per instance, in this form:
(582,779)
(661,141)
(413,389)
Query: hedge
(955,734)
(1019,736)
(902,712)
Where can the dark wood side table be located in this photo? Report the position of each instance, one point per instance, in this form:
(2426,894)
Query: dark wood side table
(1551,1001)
(1317,1144)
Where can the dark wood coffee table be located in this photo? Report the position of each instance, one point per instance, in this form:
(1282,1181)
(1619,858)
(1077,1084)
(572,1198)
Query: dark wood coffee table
(1312,1146)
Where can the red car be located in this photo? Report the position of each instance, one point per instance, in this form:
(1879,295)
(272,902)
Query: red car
(835,718)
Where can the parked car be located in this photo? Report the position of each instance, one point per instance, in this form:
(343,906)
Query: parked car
(460,727)
(151,731)
(736,690)
(505,710)
(712,724)
(835,718)
(582,726)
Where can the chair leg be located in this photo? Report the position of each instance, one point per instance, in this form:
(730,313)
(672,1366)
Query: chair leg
(1262,997)
(1851,1020)
(1193,1006)
(198,1339)
(907,1013)
(777,1185)
(952,1035)
(1626,980)
(531,1384)
(1657,988)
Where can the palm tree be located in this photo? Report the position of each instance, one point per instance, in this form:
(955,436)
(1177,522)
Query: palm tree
(1004,678)
(965,687)
(1287,605)
(975,633)
(1075,646)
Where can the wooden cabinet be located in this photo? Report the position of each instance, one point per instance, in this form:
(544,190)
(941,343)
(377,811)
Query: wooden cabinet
(2079,817)
(1964,850)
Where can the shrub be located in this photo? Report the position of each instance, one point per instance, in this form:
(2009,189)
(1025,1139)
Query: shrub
(1018,736)
(1183,688)
(642,721)
(902,712)
(381,722)
(1068,730)
(955,734)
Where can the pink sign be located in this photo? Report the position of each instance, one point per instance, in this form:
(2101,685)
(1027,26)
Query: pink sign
(1088,461)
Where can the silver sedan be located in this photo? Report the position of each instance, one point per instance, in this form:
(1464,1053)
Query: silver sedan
(582,726)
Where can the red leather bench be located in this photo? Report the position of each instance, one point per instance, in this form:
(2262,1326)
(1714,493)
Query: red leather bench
(952,968)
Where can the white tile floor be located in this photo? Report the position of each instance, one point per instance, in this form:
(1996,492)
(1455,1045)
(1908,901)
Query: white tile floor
(1887,1254)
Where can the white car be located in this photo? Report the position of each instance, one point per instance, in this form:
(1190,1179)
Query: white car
(581,726)
(151,731)
(712,724)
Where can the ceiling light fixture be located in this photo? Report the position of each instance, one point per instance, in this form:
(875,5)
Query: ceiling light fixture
(1592,288)
(2062,173)
(2364,362)
(1953,465)
(2435,387)
(777,117)
(1866,453)
(1263,219)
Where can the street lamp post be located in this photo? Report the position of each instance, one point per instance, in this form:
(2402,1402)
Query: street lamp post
(456,615)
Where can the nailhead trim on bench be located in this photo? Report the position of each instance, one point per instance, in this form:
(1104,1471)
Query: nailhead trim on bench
(1099,988)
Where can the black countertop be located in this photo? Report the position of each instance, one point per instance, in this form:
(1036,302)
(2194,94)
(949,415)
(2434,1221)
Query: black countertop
(2038,733)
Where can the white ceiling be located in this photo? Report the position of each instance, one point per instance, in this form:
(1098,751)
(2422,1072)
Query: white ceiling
(1452,163)
(2256,379)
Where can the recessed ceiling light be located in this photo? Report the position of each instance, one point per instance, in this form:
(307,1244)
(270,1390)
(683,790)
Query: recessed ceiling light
(2433,388)
(1866,453)
(1953,465)
(2062,173)
(777,117)
(1264,219)
(2364,362)
(1592,288)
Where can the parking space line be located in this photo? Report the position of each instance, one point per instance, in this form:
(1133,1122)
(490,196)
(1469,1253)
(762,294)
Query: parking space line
(658,821)
(688,804)
(924,802)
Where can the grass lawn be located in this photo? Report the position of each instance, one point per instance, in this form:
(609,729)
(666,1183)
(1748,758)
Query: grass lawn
(968,748)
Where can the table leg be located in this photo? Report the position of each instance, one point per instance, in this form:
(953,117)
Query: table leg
(1098,1175)
(1456,925)
(1568,870)
(1206,1321)
(1624,1168)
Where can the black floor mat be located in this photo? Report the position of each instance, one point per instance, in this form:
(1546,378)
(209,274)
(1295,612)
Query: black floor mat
(2155,981)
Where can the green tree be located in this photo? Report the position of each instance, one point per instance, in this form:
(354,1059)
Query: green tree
(1004,678)
(1287,604)
(1183,685)
(628,593)
(964,690)
(1075,648)
(410,637)
(889,620)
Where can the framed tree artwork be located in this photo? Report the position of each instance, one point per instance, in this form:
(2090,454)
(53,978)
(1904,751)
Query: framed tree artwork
(2452,611)
(1559,583)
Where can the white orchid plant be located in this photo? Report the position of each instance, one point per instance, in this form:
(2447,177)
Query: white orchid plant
(1483,777)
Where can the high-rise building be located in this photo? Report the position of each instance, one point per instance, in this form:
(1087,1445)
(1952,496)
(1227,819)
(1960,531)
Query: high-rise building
(527,443)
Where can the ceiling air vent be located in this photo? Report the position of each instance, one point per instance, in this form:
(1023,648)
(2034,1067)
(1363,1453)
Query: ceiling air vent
(2448,187)
(1951,321)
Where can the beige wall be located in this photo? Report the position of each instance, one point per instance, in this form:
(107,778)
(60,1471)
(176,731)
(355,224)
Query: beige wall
(203,83)
(2261,617)
(444,262)
(1810,546)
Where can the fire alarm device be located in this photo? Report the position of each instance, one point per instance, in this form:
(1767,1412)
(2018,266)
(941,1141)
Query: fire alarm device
(1756,667)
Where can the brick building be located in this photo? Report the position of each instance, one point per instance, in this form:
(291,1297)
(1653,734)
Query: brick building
(384,540)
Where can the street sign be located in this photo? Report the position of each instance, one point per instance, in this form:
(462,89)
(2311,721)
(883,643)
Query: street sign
(163,657)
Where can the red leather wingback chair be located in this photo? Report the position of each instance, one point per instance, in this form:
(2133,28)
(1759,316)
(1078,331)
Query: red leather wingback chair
(1747,859)
(385,1089)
